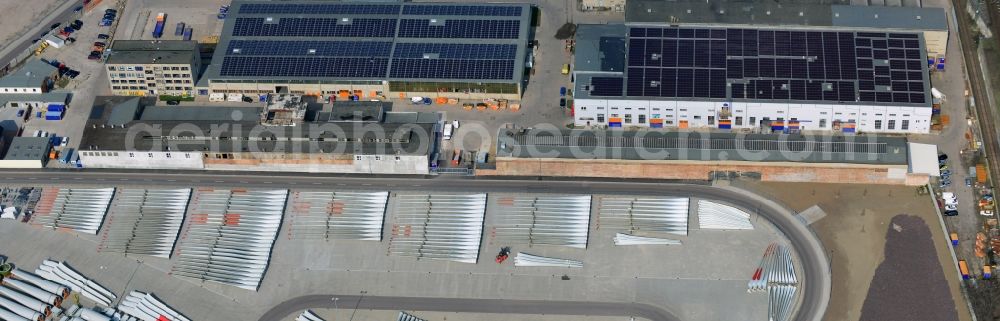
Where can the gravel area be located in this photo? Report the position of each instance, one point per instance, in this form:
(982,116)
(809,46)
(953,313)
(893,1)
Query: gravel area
(909,284)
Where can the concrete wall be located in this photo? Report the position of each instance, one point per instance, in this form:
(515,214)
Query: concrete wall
(937,42)
(705,114)
(696,170)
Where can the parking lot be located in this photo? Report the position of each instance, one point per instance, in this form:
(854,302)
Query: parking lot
(91,81)
(201,15)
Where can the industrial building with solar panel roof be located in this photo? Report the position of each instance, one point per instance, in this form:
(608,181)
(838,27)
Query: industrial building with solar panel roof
(366,50)
(833,69)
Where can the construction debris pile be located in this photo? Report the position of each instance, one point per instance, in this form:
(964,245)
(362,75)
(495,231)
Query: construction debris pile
(646,214)
(544,220)
(712,215)
(776,275)
(145,221)
(524,259)
(338,215)
(79,209)
(230,235)
(438,226)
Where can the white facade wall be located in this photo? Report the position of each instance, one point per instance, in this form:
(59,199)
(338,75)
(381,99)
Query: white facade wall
(362,164)
(746,115)
(23,163)
(141,160)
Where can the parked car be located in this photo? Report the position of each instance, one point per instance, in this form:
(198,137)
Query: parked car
(94,55)
(99,44)
(55,25)
(454,123)
(562,102)
(986,212)
(70,39)
(173,102)
(943,167)
(943,157)
(968,181)
(20,113)
(950,213)
(945,172)
(64,141)
(72,74)
(562,91)
(111,11)
(103,36)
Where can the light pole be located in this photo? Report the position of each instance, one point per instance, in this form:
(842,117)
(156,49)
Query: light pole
(356,305)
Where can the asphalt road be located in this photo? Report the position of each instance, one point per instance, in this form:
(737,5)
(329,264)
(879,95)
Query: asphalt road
(468,305)
(63,13)
(814,286)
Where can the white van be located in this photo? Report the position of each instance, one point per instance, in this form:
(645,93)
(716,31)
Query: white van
(447,132)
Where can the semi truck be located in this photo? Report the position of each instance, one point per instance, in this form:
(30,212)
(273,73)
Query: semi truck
(161,20)
(964,268)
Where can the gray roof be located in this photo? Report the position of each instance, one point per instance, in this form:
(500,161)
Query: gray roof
(214,71)
(142,52)
(48,97)
(600,48)
(237,129)
(772,13)
(32,74)
(907,18)
(698,146)
(28,148)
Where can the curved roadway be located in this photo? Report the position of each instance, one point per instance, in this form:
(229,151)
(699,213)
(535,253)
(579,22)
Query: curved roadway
(814,286)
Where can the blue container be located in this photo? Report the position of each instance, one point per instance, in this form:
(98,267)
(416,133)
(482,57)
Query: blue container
(179,30)
(940,66)
(56,107)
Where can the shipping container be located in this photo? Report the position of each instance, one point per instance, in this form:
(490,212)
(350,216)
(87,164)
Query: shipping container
(179,30)
(53,115)
(188,32)
(964,268)
(981,173)
(161,20)
(56,107)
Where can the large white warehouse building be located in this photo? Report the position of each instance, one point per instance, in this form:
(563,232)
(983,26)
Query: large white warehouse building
(766,79)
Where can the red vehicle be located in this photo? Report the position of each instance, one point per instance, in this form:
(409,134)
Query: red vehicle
(504,254)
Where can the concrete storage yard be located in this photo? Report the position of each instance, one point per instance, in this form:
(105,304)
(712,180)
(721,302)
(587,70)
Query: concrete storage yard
(703,279)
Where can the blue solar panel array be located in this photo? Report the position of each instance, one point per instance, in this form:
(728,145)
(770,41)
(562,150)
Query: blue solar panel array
(455,51)
(310,48)
(459,28)
(456,10)
(775,64)
(451,68)
(293,40)
(606,86)
(314,27)
(279,8)
(234,66)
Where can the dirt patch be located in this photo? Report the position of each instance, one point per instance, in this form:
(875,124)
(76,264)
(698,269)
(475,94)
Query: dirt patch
(909,284)
(854,231)
(19,16)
